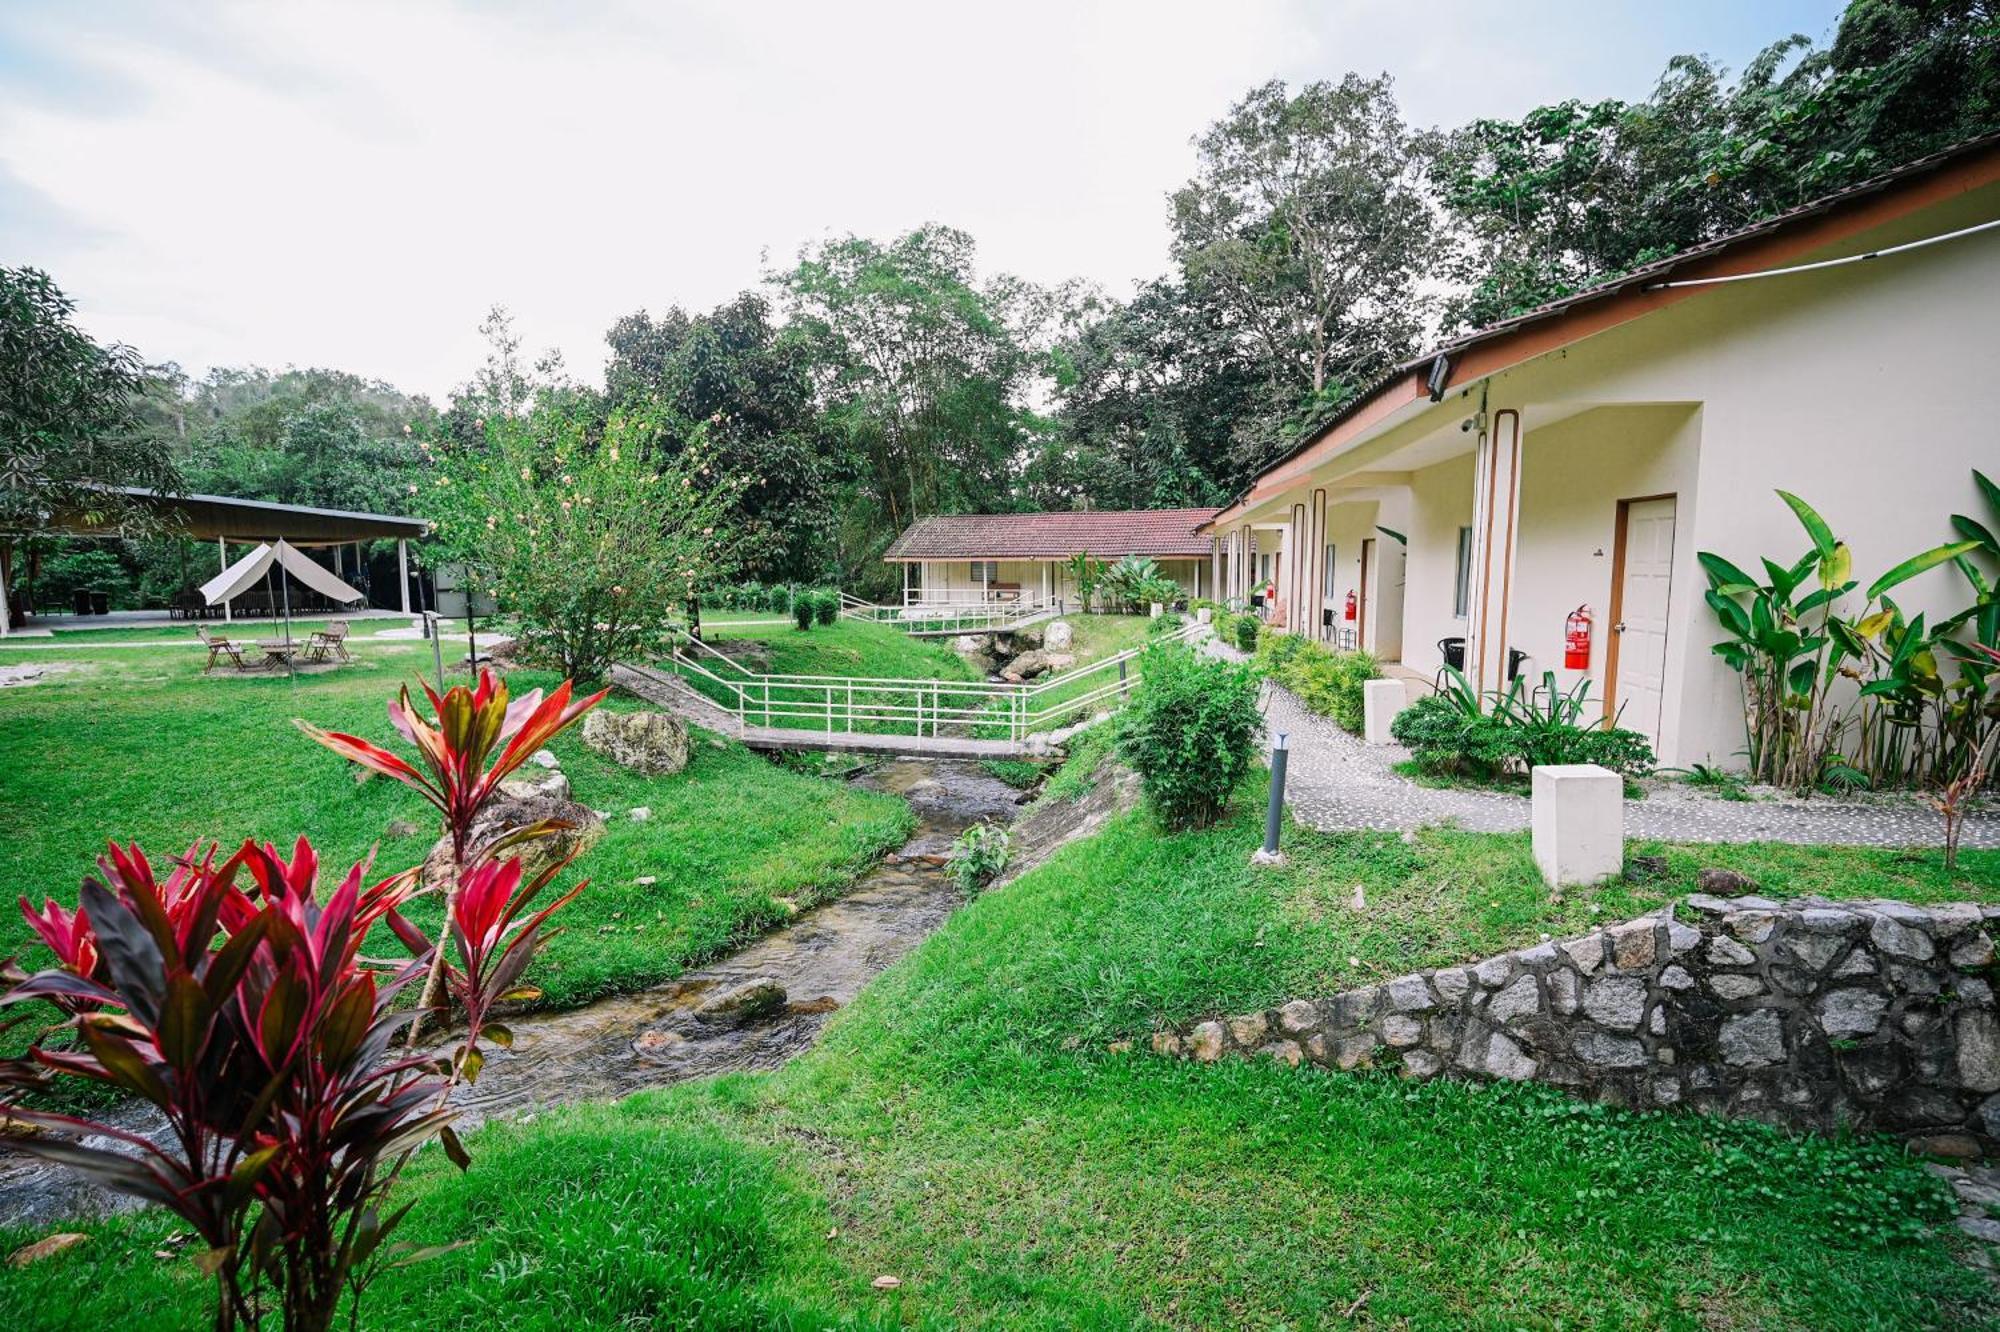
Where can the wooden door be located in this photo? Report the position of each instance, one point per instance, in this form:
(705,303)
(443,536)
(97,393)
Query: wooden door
(1642,590)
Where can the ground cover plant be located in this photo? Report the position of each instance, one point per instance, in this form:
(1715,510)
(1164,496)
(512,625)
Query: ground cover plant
(1327,682)
(1458,734)
(968,1127)
(733,846)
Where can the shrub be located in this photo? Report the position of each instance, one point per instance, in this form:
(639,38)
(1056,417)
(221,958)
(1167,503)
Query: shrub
(1446,740)
(978,856)
(826,605)
(1447,734)
(1327,682)
(1168,622)
(803,611)
(1246,633)
(1191,732)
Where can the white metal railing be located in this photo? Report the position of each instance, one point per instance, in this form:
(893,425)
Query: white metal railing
(955,617)
(834,704)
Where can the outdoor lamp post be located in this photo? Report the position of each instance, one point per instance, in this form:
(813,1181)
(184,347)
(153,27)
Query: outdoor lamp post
(1274,814)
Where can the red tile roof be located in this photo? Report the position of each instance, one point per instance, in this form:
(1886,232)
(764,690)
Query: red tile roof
(1162,533)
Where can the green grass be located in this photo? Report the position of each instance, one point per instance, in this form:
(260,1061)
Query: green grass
(845,649)
(260,627)
(143,747)
(969,1127)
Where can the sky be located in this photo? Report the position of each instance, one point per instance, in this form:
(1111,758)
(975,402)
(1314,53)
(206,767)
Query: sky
(354,184)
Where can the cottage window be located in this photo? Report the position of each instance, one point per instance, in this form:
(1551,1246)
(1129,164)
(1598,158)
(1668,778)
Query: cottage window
(985,571)
(1461,596)
(1330,575)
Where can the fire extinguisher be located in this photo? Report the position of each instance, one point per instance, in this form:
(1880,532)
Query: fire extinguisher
(1576,640)
(1350,604)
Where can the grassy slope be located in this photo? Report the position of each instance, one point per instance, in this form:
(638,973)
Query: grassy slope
(966,1127)
(145,748)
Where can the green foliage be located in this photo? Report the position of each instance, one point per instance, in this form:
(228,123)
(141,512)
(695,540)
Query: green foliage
(1086,571)
(590,541)
(978,855)
(1246,628)
(1191,731)
(1133,581)
(1327,682)
(85,568)
(803,611)
(826,605)
(1450,733)
(1167,622)
(67,420)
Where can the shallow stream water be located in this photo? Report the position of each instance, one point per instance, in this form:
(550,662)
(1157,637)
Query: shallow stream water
(820,962)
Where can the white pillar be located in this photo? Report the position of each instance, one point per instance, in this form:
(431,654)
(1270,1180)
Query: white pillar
(403,570)
(222,552)
(1578,817)
(1381,700)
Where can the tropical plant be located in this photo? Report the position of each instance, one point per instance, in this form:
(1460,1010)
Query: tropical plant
(1246,633)
(1455,731)
(1126,581)
(250,1018)
(1191,732)
(1790,644)
(1158,590)
(453,745)
(978,856)
(1086,571)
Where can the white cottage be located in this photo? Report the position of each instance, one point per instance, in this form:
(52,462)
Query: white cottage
(980,557)
(1572,461)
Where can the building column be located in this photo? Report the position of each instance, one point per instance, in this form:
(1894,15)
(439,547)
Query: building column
(403,570)
(222,551)
(1496,508)
(1316,580)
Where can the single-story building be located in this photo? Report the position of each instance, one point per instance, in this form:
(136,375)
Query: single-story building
(1573,460)
(977,557)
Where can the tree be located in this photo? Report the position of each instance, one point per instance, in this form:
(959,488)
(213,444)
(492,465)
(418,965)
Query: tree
(1575,193)
(1307,223)
(592,540)
(920,369)
(732,372)
(67,440)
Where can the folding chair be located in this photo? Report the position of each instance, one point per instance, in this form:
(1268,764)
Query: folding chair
(220,648)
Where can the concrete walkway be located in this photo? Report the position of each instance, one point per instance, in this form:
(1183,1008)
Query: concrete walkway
(1335,782)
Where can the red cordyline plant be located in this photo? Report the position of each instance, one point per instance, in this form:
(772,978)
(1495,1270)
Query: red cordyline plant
(466,726)
(248,1018)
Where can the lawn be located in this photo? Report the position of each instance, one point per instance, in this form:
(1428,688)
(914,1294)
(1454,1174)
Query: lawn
(846,649)
(139,745)
(973,1127)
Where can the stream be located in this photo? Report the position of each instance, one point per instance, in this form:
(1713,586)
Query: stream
(754,1009)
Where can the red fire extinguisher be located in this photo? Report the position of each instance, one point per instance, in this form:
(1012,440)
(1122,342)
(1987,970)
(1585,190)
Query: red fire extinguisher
(1576,640)
(1350,604)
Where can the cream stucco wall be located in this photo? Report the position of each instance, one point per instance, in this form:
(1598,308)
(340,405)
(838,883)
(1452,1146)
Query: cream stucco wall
(952,579)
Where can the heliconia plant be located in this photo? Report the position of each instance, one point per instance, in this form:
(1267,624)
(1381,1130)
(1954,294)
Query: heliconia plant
(453,746)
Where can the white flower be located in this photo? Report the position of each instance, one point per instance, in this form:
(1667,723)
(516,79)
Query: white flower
(413,487)
(526,475)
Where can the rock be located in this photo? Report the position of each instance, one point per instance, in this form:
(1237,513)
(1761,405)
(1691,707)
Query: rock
(1851,1013)
(1811,951)
(640,813)
(1248,1031)
(1617,1002)
(1401,1031)
(1452,985)
(502,815)
(1898,939)
(1298,1016)
(1726,952)
(1734,987)
(1166,1043)
(46,1247)
(1505,1059)
(1285,1052)
(1633,945)
(646,880)
(1978,1051)
(654,743)
(1410,995)
(1493,972)
(1061,661)
(968,644)
(744,1003)
(1421,1064)
(886,1282)
(1603,1050)
(1058,635)
(402,828)
(1753,1039)
(1563,993)
(1860,962)
(1587,952)
(1028,665)
(1957,1146)
(1724,882)
(1521,999)
(543,758)
(1974,952)
(1982,1228)
(1676,978)
(554,785)
(1205,1041)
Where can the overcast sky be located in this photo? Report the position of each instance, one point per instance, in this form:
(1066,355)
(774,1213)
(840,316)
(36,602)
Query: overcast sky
(354,184)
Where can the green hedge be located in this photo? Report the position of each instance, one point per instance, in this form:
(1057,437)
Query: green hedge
(1327,682)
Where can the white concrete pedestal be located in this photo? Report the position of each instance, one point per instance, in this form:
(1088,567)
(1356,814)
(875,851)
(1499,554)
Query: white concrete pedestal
(1381,700)
(1579,823)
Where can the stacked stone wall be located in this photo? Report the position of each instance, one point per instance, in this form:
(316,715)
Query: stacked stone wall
(1811,1014)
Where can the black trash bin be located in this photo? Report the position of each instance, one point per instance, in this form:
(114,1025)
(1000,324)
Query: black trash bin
(100,603)
(79,602)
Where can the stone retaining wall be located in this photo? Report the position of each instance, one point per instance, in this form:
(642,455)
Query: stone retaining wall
(1810,1014)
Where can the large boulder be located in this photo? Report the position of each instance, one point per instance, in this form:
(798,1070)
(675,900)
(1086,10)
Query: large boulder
(1027,666)
(503,814)
(1058,635)
(655,743)
(972,644)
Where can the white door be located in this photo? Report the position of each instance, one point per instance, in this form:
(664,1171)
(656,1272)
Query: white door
(1642,615)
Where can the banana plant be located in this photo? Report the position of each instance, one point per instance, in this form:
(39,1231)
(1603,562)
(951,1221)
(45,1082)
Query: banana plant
(1087,572)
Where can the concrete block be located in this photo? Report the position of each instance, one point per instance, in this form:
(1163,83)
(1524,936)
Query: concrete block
(1205,615)
(1578,819)
(1381,700)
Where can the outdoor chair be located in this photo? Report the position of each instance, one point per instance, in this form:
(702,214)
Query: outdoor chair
(328,643)
(220,649)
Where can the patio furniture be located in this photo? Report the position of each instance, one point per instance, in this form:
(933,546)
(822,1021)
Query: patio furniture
(219,649)
(328,642)
(280,651)
(1452,650)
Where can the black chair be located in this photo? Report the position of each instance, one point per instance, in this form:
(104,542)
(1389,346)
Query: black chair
(1452,650)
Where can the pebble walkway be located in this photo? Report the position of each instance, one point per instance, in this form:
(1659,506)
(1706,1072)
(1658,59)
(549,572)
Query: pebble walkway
(1335,783)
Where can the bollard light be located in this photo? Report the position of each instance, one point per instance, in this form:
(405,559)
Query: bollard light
(1275,814)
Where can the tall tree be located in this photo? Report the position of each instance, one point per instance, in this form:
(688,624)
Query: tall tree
(731,375)
(919,369)
(1307,223)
